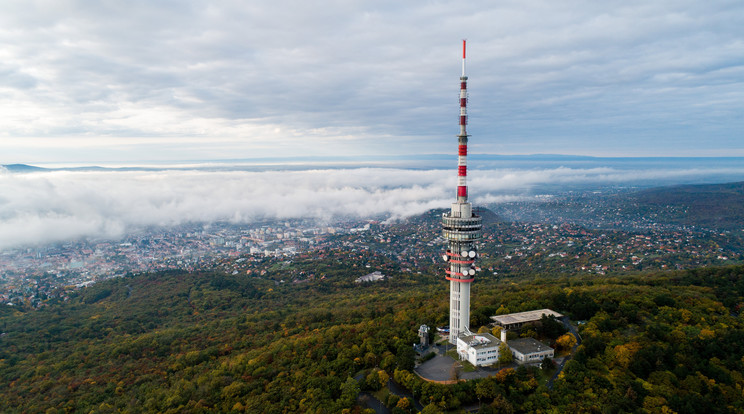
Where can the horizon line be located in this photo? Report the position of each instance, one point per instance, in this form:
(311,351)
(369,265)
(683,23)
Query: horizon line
(341,158)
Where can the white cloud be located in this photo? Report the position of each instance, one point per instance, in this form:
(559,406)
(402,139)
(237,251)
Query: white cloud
(61,205)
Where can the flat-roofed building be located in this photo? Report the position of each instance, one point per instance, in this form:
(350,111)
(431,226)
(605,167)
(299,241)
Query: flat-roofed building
(478,349)
(527,350)
(516,320)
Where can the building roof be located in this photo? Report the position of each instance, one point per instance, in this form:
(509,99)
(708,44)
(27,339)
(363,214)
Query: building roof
(526,346)
(483,340)
(523,317)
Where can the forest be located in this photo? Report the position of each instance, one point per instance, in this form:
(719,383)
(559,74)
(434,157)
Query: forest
(178,342)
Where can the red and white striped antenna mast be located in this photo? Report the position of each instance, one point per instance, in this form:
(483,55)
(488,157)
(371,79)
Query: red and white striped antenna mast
(462,229)
(462,189)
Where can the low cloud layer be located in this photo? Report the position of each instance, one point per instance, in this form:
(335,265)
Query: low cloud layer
(43,207)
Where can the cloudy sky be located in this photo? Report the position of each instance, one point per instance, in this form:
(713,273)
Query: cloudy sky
(129,81)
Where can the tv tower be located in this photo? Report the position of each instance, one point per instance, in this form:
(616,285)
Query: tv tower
(462,229)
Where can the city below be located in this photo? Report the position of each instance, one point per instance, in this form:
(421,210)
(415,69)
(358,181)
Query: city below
(520,239)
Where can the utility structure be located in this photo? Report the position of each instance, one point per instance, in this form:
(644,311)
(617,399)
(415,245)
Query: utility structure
(462,229)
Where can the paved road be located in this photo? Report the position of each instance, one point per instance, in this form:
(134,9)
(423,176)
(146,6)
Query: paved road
(567,324)
(438,368)
(368,400)
(398,390)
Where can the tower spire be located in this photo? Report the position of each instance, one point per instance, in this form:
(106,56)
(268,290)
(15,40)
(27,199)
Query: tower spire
(462,167)
(463,57)
(462,229)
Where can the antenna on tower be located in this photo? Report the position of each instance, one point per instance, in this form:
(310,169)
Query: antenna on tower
(462,228)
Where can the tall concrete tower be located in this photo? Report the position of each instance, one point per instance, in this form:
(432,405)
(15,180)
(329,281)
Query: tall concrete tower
(462,229)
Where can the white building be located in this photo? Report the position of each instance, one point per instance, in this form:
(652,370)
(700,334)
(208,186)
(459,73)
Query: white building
(529,350)
(372,277)
(478,349)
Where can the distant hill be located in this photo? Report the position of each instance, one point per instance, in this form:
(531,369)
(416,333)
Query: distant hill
(488,216)
(707,205)
(435,216)
(22,168)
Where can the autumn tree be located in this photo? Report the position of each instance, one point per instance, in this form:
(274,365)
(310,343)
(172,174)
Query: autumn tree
(501,405)
(566,341)
(547,364)
(432,408)
(404,404)
(505,354)
(349,392)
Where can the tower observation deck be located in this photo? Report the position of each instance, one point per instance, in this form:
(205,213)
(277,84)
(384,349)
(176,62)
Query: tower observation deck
(462,229)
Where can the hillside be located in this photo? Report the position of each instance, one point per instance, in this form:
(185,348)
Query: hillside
(710,206)
(719,206)
(178,342)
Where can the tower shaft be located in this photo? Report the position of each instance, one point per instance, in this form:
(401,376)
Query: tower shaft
(462,229)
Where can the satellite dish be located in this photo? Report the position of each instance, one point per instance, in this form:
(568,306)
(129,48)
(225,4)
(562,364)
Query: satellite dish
(472,272)
(444,256)
(464,253)
(471,253)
